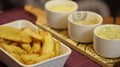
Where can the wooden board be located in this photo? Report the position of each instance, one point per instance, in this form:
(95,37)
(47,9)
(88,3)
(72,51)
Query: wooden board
(85,49)
(117,20)
(108,20)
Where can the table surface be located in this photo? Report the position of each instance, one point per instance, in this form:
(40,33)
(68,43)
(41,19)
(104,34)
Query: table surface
(75,59)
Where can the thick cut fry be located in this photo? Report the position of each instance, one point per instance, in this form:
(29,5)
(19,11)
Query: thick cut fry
(13,34)
(17,56)
(13,49)
(29,58)
(42,33)
(25,38)
(36,48)
(27,47)
(48,45)
(32,34)
(57,48)
(9,33)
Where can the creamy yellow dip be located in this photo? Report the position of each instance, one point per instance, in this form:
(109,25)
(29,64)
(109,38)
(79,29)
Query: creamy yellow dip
(61,8)
(89,20)
(109,32)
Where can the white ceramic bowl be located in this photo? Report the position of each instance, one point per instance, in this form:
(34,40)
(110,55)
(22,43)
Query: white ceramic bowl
(80,31)
(107,40)
(57,12)
(10,61)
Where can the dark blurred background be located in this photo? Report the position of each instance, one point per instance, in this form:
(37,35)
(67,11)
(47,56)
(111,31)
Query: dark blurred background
(104,7)
(114,6)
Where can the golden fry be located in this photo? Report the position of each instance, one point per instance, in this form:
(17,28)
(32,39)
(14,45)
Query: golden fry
(42,33)
(29,58)
(13,34)
(48,45)
(13,49)
(36,48)
(32,34)
(57,48)
(27,47)
(9,33)
(25,38)
(17,56)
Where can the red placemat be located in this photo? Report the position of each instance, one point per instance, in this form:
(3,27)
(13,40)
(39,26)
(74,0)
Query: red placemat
(75,59)
(16,14)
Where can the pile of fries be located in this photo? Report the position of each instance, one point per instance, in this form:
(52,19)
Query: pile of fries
(28,46)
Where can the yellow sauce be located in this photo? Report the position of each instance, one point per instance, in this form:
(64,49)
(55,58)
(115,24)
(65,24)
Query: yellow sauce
(61,8)
(89,20)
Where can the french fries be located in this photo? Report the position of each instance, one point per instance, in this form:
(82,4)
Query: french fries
(48,45)
(32,34)
(37,45)
(29,58)
(27,47)
(36,48)
(16,35)
(13,49)
(57,47)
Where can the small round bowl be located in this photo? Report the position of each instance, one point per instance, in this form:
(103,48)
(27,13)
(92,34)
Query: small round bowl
(106,40)
(57,12)
(81,31)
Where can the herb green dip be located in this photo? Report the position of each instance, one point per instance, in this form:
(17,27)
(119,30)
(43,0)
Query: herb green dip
(109,32)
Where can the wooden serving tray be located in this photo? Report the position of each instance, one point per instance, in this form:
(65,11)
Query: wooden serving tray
(85,49)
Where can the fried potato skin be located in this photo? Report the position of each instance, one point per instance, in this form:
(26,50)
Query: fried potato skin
(32,34)
(48,45)
(36,47)
(9,33)
(13,49)
(29,48)
(14,34)
(29,58)
(57,48)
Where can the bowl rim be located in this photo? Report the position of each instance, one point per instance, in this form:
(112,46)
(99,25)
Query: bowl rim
(61,1)
(100,18)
